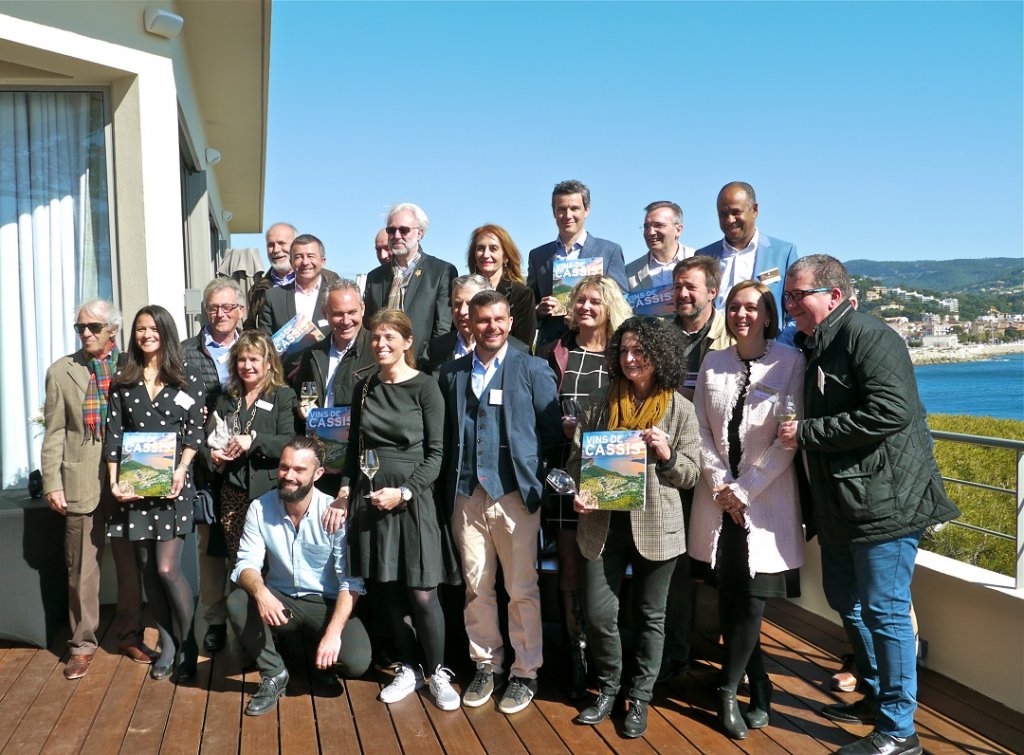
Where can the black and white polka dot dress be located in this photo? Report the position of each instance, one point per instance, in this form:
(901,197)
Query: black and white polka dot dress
(131,410)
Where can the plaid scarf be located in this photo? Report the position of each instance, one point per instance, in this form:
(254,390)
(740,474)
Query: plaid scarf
(94,408)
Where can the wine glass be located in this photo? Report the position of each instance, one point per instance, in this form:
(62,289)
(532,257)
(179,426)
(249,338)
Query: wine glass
(785,408)
(561,482)
(369,463)
(233,423)
(309,395)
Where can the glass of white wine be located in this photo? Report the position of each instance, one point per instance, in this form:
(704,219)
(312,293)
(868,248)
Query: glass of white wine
(308,395)
(785,408)
(369,463)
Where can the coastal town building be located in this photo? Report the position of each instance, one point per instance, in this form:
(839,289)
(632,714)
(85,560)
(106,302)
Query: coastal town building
(132,143)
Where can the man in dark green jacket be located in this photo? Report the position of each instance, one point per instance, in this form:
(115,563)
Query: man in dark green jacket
(875,489)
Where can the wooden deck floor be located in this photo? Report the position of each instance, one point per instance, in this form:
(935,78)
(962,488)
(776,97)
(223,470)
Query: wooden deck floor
(117,708)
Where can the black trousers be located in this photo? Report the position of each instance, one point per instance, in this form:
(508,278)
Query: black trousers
(603,581)
(310,613)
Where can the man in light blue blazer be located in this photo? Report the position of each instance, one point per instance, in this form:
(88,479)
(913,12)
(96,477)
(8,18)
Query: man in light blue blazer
(570,204)
(747,254)
(502,421)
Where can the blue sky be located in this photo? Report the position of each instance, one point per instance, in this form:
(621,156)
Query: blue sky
(875,130)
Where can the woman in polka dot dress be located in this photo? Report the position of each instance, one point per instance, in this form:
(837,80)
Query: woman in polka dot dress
(153,391)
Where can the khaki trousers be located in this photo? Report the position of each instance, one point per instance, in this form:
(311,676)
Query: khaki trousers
(489,532)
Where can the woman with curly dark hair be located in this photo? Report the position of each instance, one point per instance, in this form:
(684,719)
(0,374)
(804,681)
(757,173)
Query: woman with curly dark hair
(645,363)
(494,255)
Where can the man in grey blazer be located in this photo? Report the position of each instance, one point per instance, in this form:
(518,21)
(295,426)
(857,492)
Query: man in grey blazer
(502,421)
(570,205)
(663,225)
(747,254)
(75,486)
(412,281)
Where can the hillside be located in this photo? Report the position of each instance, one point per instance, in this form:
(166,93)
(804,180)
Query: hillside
(989,275)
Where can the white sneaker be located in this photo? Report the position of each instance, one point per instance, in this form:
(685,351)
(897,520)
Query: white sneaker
(406,681)
(441,690)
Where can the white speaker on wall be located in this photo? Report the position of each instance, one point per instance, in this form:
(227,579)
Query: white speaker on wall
(163,23)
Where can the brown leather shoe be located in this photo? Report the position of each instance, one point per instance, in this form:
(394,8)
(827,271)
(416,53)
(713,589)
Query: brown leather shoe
(77,666)
(137,654)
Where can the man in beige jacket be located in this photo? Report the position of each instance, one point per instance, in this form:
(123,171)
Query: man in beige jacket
(75,486)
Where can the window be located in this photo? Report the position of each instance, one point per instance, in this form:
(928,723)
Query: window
(55,246)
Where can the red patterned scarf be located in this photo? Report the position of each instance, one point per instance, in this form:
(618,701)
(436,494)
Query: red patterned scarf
(94,408)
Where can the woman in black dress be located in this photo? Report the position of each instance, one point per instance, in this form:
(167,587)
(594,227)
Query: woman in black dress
(494,255)
(578,359)
(154,392)
(399,543)
(265,408)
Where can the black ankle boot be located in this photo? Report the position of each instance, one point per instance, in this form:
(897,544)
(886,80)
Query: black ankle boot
(186,660)
(760,707)
(729,714)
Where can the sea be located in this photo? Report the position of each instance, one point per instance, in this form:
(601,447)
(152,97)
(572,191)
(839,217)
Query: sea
(989,388)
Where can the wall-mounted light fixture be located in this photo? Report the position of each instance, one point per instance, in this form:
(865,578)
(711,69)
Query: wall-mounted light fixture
(212,156)
(163,23)
(227,215)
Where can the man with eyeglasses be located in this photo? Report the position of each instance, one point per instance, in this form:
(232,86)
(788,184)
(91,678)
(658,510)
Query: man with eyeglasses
(75,486)
(747,254)
(875,487)
(663,225)
(570,205)
(412,281)
(224,308)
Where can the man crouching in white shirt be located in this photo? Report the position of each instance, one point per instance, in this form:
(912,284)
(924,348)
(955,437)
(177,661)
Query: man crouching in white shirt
(306,586)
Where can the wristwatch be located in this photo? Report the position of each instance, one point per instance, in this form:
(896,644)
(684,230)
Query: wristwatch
(406,493)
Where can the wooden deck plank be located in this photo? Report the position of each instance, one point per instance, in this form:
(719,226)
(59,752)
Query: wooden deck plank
(335,723)
(26,688)
(71,728)
(493,728)
(412,725)
(534,730)
(149,719)
(373,721)
(298,723)
(454,730)
(260,734)
(560,714)
(224,702)
(40,718)
(184,731)
(115,710)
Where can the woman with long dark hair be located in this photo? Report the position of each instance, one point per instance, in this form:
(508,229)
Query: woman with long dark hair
(154,392)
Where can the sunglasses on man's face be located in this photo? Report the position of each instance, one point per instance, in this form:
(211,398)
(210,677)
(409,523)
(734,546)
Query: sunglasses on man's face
(94,327)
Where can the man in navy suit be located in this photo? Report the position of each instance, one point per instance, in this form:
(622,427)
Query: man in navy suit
(502,420)
(412,281)
(747,254)
(305,294)
(570,204)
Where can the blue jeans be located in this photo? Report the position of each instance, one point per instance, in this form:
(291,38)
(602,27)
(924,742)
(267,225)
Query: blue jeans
(868,585)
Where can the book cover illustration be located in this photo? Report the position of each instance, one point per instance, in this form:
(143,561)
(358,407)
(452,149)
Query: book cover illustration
(565,274)
(614,469)
(147,464)
(658,301)
(296,334)
(331,426)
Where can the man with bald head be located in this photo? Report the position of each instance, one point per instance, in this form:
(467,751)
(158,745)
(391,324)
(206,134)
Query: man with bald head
(382,247)
(279,245)
(412,281)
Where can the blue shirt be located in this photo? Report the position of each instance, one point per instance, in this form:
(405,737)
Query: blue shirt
(481,375)
(307,561)
(219,354)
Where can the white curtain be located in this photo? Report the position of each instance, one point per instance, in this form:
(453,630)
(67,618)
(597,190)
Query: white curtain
(54,249)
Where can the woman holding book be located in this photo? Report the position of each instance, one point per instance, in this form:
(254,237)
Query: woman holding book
(260,412)
(398,541)
(154,392)
(644,360)
(494,255)
(597,308)
(745,526)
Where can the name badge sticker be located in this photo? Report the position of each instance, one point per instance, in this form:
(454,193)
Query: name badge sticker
(821,381)
(321,323)
(765,393)
(264,405)
(184,400)
(770,276)
(494,397)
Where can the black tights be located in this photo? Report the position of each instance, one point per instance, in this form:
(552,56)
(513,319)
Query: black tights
(170,596)
(740,616)
(389,603)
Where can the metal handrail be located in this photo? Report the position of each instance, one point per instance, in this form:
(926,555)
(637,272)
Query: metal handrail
(1018,447)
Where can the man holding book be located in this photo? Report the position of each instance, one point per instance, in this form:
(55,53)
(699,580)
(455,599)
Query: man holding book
(303,296)
(663,225)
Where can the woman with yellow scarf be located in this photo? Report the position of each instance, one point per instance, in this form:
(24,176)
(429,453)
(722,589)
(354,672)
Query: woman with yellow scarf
(645,363)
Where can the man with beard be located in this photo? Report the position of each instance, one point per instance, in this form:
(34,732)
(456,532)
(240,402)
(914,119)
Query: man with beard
(412,281)
(306,585)
(279,246)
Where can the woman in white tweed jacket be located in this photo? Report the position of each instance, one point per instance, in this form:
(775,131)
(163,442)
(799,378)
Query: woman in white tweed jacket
(745,524)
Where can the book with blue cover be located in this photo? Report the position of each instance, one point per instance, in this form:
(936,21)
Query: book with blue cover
(147,464)
(296,334)
(565,274)
(613,469)
(331,426)
(657,301)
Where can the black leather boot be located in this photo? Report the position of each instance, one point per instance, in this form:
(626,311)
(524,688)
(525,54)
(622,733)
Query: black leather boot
(760,707)
(729,714)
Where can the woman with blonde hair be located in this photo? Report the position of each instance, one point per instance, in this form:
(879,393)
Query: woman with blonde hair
(260,410)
